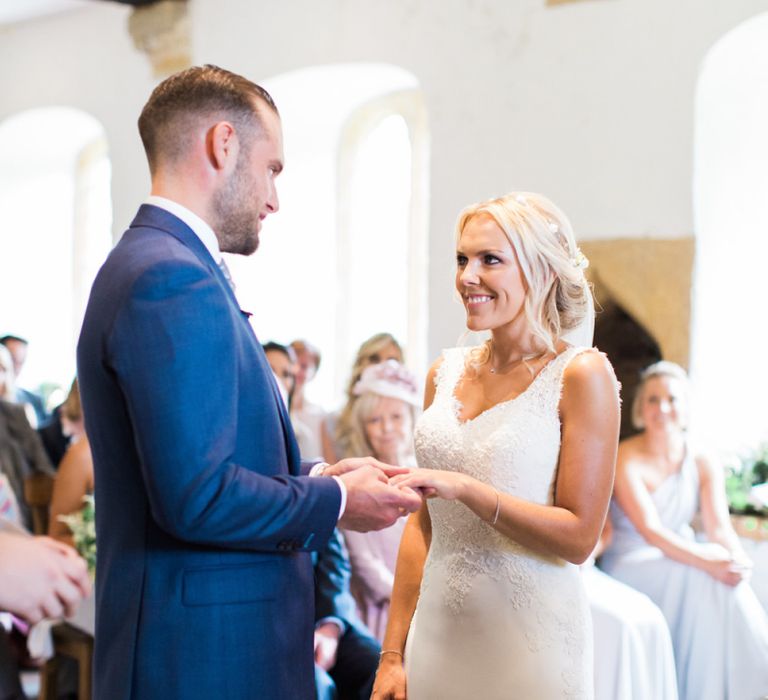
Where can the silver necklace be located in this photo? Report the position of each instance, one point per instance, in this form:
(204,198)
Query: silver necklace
(510,365)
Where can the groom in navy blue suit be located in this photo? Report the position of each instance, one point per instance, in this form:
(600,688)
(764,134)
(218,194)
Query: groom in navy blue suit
(204,523)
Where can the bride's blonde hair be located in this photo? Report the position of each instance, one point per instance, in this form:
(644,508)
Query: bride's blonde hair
(556,295)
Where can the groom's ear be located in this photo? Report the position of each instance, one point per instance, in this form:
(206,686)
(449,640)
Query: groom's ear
(222,147)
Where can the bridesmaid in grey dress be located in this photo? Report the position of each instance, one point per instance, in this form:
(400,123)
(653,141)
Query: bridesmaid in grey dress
(719,629)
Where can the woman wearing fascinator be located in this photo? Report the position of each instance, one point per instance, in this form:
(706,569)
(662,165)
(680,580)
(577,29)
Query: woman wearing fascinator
(381,419)
(516,445)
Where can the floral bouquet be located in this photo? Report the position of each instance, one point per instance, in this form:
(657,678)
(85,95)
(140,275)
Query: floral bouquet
(83,527)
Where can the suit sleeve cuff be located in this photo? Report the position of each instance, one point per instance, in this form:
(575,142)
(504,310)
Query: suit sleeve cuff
(317,470)
(343,489)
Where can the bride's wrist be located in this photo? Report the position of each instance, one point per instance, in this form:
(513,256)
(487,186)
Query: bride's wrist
(465,492)
(390,656)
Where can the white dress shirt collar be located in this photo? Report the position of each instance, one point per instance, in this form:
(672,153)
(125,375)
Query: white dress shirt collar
(201,229)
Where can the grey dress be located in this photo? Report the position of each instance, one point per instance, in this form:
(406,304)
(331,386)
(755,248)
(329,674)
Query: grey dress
(719,632)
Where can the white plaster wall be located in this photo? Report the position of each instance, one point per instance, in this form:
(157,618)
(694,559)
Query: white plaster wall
(591,103)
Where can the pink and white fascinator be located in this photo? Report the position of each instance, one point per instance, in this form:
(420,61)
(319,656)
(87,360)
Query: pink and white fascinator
(390,379)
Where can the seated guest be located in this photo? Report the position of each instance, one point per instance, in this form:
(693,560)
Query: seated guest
(378,348)
(21,452)
(38,578)
(74,479)
(719,629)
(346,655)
(55,440)
(381,420)
(18,348)
(310,415)
(633,654)
(283,363)
(8,389)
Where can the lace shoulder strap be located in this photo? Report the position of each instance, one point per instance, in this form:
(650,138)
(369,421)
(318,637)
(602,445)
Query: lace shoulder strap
(449,372)
(557,369)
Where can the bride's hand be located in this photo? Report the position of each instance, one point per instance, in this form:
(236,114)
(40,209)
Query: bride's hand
(390,680)
(432,482)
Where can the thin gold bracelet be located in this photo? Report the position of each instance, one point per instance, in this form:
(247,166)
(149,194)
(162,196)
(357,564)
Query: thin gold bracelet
(498,507)
(390,651)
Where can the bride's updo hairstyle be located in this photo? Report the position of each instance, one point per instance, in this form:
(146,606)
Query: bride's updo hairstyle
(557,296)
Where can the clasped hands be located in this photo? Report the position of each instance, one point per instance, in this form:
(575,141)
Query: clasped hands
(378,493)
(725,566)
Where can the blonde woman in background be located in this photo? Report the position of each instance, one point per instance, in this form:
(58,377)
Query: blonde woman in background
(74,479)
(719,629)
(337,426)
(381,420)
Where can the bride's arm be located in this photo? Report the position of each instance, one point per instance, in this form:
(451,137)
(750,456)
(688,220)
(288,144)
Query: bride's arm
(570,528)
(390,677)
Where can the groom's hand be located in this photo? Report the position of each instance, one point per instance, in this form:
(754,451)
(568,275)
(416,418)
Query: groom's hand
(352,463)
(372,504)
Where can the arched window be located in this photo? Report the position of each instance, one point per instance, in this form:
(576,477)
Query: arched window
(55,223)
(730,333)
(345,257)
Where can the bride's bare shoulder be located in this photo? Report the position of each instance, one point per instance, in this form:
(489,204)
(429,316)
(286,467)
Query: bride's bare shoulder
(589,374)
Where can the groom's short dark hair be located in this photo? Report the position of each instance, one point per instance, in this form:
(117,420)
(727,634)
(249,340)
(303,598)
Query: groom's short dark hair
(169,118)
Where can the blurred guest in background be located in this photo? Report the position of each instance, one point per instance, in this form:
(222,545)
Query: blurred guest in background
(377,348)
(283,363)
(633,658)
(21,452)
(719,630)
(381,420)
(346,655)
(303,411)
(18,348)
(74,479)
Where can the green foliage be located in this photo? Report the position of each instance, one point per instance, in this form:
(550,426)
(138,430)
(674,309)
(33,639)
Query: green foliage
(750,471)
(83,527)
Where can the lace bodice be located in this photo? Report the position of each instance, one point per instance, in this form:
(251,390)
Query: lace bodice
(513,446)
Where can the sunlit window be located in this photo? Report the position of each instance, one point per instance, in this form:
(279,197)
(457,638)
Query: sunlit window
(55,221)
(730,334)
(343,259)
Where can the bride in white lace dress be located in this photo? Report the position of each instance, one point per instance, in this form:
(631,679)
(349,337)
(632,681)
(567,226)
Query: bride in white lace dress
(517,444)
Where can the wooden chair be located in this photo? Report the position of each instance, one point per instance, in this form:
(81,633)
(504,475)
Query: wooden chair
(67,640)
(75,644)
(38,489)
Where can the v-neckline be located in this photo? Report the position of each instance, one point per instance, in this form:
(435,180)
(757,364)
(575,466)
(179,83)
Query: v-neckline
(457,406)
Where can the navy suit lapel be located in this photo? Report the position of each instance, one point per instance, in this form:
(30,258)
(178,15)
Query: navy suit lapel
(158,218)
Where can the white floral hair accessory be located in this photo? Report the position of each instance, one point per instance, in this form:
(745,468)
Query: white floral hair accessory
(390,379)
(580,260)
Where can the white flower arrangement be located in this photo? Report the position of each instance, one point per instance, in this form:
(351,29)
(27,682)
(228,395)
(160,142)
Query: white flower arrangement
(83,526)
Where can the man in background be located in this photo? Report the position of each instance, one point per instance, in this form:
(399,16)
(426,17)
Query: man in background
(18,347)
